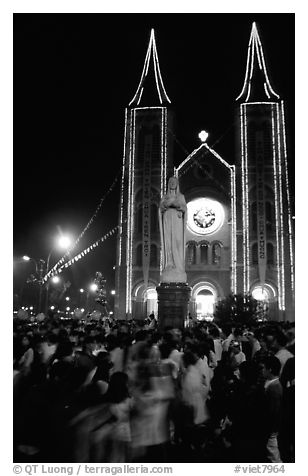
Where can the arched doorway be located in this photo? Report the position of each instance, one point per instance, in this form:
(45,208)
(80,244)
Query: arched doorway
(205,303)
(144,301)
(150,297)
(266,295)
(204,296)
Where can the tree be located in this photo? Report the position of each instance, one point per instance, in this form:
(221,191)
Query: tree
(237,309)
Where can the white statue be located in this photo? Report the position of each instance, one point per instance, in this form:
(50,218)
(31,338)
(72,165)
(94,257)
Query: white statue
(172,223)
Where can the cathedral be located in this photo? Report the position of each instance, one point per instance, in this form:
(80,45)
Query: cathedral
(239,231)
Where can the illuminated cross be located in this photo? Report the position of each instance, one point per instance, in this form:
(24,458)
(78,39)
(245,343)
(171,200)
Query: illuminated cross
(203,135)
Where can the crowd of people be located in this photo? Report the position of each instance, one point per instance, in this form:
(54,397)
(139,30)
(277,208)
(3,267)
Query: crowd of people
(123,391)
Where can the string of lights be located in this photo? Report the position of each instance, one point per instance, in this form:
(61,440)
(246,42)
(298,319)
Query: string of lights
(196,162)
(255,49)
(80,255)
(55,272)
(86,228)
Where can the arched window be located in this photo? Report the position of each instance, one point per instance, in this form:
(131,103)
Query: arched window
(254,254)
(270,253)
(204,248)
(153,256)
(139,255)
(139,219)
(144,131)
(191,253)
(269,216)
(154,218)
(156,146)
(216,253)
(254,216)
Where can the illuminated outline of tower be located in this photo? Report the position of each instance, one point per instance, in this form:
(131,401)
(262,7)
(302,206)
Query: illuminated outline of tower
(147,160)
(264,185)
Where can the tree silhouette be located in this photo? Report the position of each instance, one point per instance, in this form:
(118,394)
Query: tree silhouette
(237,309)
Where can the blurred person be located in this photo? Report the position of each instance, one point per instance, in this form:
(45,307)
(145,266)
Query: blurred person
(245,412)
(193,398)
(215,334)
(255,345)
(286,435)
(272,406)
(117,445)
(282,353)
(27,354)
(236,357)
(149,423)
(102,375)
(291,339)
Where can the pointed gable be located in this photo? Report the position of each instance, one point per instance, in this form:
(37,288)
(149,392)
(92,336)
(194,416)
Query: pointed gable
(151,90)
(256,86)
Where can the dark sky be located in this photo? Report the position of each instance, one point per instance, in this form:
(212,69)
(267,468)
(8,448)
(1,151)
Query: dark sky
(74,74)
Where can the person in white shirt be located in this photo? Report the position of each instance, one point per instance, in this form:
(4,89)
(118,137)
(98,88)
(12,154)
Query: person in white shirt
(236,357)
(215,334)
(192,388)
(282,353)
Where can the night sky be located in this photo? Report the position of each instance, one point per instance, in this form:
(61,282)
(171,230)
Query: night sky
(74,74)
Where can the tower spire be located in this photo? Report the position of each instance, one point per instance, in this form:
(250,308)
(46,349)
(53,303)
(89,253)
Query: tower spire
(256,86)
(151,57)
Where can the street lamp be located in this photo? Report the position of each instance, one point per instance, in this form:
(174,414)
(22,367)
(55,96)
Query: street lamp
(62,242)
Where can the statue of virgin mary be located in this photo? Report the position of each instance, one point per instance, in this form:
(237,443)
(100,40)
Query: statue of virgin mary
(172,223)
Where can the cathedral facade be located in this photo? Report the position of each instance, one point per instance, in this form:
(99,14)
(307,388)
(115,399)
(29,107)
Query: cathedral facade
(239,233)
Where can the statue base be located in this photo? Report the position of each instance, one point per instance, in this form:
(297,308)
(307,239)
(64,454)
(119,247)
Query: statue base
(173,301)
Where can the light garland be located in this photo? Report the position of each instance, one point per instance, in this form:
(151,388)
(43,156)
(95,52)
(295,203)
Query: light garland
(165,138)
(233,232)
(122,190)
(281,212)
(151,53)
(188,158)
(288,200)
(243,196)
(83,253)
(255,48)
(179,172)
(265,103)
(245,200)
(62,260)
(163,159)
(276,210)
(130,211)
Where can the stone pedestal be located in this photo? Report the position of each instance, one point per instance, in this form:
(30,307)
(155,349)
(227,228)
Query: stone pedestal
(173,301)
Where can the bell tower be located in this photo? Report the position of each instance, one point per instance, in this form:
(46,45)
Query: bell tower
(147,161)
(265,259)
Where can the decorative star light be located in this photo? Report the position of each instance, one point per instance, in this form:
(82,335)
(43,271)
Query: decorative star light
(203,135)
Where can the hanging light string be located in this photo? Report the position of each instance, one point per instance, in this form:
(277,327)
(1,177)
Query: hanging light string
(195,161)
(67,253)
(215,143)
(80,255)
(83,253)
(216,182)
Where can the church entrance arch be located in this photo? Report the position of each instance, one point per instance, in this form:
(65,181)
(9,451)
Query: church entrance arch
(151,301)
(145,301)
(204,297)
